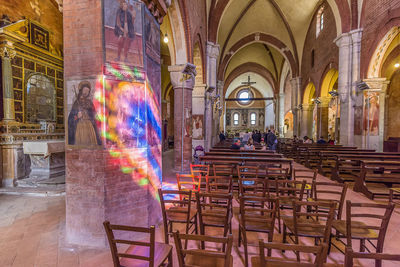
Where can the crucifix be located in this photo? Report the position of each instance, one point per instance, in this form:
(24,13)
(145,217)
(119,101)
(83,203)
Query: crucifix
(248,83)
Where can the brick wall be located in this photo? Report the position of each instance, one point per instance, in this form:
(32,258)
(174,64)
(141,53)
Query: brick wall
(325,51)
(377,18)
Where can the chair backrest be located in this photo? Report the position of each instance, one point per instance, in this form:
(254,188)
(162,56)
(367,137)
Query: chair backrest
(290,189)
(273,173)
(260,210)
(203,253)
(199,169)
(331,192)
(188,182)
(209,203)
(247,171)
(113,241)
(319,251)
(224,170)
(308,175)
(308,214)
(378,218)
(175,198)
(219,184)
(254,187)
(378,257)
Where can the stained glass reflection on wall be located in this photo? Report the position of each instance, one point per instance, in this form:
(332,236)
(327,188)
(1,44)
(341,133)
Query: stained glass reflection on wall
(40,99)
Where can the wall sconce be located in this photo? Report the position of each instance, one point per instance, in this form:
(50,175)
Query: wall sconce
(166,38)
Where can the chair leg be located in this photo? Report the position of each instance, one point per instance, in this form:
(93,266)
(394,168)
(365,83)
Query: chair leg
(362,245)
(279,220)
(240,237)
(166,239)
(246,256)
(170,259)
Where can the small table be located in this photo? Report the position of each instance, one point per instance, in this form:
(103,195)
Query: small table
(47,158)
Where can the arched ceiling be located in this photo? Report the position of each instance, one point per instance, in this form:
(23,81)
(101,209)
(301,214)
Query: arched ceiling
(232,22)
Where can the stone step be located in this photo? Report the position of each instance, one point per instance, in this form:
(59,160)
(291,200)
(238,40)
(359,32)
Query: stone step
(34,182)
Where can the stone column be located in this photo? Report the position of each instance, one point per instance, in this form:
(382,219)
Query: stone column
(306,120)
(281,113)
(377,85)
(212,56)
(218,119)
(183,87)
(7,53)
(296,87)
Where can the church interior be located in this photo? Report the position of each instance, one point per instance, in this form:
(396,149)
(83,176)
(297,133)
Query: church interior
(208,133)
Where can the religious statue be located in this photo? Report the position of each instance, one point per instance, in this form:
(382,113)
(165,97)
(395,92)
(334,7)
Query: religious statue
(82,129)
(124,28)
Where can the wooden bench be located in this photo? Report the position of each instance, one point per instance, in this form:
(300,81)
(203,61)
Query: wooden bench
(348,166)
(383,174)
(243,153)
(237,150)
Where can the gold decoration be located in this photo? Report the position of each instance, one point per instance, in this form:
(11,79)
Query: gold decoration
(7,52)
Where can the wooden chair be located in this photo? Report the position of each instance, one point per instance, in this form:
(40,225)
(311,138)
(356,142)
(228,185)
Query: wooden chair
(254,187)
(309,221)
(393,193)
(176,208)
(247,171)
(286,192)
(140,253)
(214,210)
(308,175)
(188,182)
(224,170)
(273,173)
(257,214)
(203,257)
(320,253)
(378,257)
(356,225)
(200,170)
(330,192)
(221,184)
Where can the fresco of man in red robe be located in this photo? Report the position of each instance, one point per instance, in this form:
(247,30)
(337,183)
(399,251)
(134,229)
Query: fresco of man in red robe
(124,28)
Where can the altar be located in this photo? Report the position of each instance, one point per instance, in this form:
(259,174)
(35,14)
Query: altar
(47,158)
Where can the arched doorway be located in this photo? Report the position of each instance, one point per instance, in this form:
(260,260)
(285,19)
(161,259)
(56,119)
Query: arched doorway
(309,118)
(329,106)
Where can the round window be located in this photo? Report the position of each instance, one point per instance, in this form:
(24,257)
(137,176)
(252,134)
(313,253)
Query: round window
(244,96)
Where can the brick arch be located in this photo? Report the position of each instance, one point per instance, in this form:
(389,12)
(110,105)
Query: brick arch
(345,14)
(262,38)
(251,67)
(328,67)
(389,60)
(389,21)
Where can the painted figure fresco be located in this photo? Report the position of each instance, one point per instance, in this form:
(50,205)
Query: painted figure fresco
(198,127)
(123,32)
(371,113)
(82,129)
(124,29)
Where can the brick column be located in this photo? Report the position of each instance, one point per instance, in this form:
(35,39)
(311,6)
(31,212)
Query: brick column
(183,87)
(113,123)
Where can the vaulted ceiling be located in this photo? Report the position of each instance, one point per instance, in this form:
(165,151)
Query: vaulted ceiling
(263,32)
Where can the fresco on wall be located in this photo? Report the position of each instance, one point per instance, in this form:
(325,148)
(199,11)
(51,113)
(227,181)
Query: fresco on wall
(198,127)
(82,126)
(123,32)
(358,120)
(371,113)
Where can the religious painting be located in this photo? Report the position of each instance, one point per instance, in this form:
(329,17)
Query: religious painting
(82,126)
(188,122)
(358,121)
(198,127)
(333,111)
(314,123)
(371,113)
(123,32)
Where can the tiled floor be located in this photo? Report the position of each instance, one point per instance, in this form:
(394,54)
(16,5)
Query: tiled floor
(32,234)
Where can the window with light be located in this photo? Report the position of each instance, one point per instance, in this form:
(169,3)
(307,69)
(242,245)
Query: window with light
(320,20)
(236,119)
(253,117)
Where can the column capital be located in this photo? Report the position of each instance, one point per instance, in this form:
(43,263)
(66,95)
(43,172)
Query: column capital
(180,80)
(7,52)
(377,84)
(343,40)
(212,50)
(356,35)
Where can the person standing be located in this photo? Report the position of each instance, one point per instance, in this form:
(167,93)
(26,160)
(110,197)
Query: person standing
(271,140)
(124,29)
(222,136)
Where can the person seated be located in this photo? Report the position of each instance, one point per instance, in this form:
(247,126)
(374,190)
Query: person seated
(263,145)
(236,145)
(249,145)
(222,136)
(307,140)
(321,140)
(295,139)
(331,142)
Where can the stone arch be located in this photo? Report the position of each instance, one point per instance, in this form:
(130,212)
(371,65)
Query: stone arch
(309,94)
(179,33)
(328,82)
(198,60)
(260,38)
(328,108)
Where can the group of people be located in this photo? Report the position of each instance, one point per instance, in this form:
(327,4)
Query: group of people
(266,140)
(307,140)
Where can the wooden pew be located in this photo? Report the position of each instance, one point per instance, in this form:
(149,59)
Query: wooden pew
(237,150)
(348,166)
(242,153)
(383,174)
(276,161)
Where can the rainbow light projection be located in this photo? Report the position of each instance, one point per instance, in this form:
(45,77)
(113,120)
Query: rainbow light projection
(128,113)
